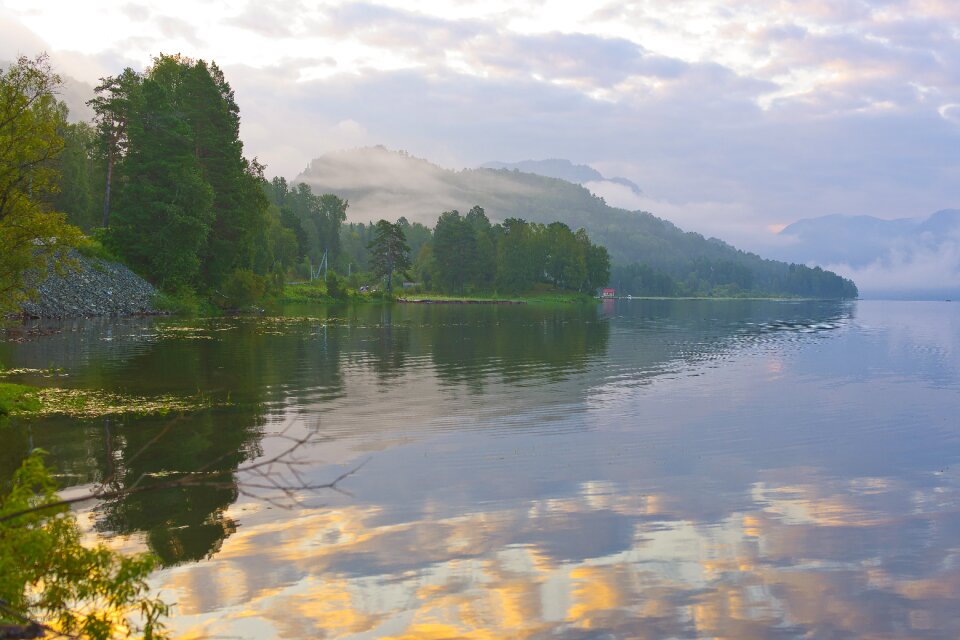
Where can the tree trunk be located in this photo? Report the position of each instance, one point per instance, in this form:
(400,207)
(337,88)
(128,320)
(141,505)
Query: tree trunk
(106,194)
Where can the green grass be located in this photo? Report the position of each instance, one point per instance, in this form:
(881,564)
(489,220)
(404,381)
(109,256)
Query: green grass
(18,399)
(534,297)
(184,303)
(316,292)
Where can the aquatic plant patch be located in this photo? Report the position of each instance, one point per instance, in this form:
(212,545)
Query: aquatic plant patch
(85,403)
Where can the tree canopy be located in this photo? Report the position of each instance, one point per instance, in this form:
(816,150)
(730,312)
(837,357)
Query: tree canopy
(389,251)
(32,234)
(183,205)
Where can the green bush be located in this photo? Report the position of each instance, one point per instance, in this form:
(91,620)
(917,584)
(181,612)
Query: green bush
(336,286)
(242,289)
(92,246)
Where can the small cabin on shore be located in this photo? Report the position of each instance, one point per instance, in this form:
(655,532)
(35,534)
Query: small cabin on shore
(607,292)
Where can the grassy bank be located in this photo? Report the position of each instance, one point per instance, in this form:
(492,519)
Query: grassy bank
(316,292)
(532,298)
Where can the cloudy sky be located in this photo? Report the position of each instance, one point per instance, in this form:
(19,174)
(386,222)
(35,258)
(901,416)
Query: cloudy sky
(735,117)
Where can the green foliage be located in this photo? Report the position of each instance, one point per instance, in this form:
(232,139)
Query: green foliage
(17,398)
(163,212)
(732,279)
(32,235)
(417,235)
(389,252)
(183,301)
(336,286)
(243,288)
(189,209)
(642,280)
(470,254)
(81,176)
(315,220)
(114,109)
(290,221)
(315,291)
(48,575)
(456,253)
(93,247)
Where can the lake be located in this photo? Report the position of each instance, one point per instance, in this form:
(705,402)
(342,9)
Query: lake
(633,469)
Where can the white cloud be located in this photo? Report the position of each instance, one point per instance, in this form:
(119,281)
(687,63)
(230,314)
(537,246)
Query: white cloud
(950,113)
(911,269)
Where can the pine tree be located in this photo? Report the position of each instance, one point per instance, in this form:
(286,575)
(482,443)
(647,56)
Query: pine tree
(390,252)
(239,204)
(113,111)
(164,210)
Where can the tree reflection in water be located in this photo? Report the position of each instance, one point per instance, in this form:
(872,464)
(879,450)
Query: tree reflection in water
(652,469)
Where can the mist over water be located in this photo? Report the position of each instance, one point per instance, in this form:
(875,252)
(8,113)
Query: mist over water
(640,468)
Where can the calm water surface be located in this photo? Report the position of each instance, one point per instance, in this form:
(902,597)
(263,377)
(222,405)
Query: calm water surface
(661,469)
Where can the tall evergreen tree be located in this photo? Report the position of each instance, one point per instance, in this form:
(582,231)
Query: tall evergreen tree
(216,189)
(389,251)
(164,211)
(456,255)
(113,110)
(486,265)
(521,255)
(330,215)
(239,205)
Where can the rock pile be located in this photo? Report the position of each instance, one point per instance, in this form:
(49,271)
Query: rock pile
(95,288)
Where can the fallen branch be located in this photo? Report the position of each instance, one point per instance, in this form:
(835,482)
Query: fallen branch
(277,475)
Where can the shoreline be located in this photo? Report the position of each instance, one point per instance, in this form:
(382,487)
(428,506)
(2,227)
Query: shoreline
(456,301)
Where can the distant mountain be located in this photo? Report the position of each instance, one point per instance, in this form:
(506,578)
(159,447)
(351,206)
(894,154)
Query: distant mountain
(72,92)
(75,93)
(562,170)
(379,183)
(905,257)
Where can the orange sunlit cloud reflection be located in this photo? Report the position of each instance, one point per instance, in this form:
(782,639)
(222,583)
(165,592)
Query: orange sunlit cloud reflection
(784,566)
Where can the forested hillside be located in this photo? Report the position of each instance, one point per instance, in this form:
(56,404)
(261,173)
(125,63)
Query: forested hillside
(160,178)
(651,256)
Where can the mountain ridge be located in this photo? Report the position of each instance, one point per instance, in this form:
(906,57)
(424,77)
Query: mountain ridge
(900,257)
(379,183)
(561,169)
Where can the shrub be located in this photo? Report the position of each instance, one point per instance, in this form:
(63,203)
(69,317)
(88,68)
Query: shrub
(243,288)
(336,286)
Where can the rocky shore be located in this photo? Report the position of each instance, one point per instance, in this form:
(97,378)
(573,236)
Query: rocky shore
(95,287)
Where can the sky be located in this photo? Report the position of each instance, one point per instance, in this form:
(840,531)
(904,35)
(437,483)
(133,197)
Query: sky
(735,118)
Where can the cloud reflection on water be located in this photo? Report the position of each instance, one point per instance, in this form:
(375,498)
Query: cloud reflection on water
(815,556)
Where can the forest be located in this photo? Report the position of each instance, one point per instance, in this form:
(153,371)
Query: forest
(159,181)
(650,256)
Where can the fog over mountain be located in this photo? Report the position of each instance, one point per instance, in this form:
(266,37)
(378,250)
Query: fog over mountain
(379,183)
(565,170)
(900,258)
